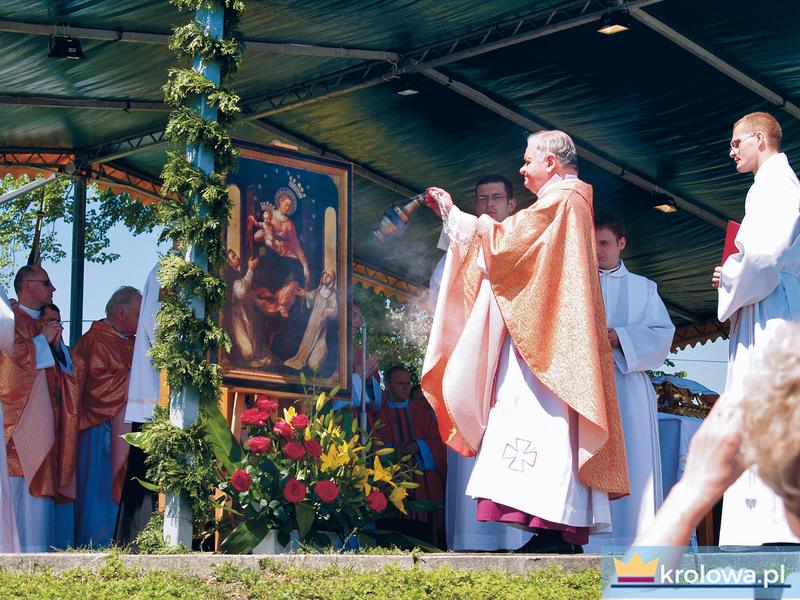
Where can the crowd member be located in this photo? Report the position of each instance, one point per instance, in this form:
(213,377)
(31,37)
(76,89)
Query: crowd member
(759,289)
(640,333)
(410,428)
(35,413)
(67,407)
(523,376)
(9,538)
(144,393)
(373,381)
(757,424)
(107,350)
(494,195)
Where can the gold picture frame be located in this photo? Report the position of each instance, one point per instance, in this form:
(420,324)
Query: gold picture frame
(289,272)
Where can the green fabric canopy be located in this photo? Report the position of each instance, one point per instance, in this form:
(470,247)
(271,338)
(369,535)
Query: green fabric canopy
(638,102)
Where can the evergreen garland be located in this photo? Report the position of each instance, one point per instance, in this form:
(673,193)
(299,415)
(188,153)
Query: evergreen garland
(194,211)
(196,208)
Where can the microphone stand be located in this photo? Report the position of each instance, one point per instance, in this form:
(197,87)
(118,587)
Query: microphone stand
(363,408)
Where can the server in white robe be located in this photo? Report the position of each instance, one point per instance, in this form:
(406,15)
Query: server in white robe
(494,195)
(640,332)
(143,387)
(759,289)
(9,538)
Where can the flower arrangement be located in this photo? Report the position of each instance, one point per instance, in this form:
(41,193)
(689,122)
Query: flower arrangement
(305,470)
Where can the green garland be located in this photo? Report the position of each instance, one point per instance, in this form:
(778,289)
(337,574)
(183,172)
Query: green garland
(194,211)
(196,207)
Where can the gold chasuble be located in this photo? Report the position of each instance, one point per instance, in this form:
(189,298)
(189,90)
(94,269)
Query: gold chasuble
(107,356)
(541,267)
(41,413)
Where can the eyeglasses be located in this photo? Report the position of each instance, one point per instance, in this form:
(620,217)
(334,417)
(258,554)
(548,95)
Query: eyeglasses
(46,282)
(738,141)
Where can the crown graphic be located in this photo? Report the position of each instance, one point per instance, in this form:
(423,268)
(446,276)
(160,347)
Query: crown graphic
(297,187)
(636,570)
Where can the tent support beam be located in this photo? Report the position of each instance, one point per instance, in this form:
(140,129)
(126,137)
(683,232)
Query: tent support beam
(358,169)
(716,62)
(162,39)
(487,39)
(614,168)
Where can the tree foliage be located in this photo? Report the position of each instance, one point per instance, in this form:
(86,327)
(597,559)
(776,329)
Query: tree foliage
(104,210)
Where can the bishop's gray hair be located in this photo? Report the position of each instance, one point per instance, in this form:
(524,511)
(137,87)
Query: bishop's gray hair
(558,143)
(122,297)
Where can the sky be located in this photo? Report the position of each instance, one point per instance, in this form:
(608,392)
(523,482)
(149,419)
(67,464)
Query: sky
(706,364)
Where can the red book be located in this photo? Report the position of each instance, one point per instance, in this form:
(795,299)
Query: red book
(730,237)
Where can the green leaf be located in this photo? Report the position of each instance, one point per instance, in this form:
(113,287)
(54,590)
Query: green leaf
(218,433)
(421,506)
(148,486)
(245,537)
(134,438)
(305,518)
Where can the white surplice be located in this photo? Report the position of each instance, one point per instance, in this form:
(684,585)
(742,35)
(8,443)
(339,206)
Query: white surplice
(528,425)
(9,538)
(635,311)
(760,290)
(143,387)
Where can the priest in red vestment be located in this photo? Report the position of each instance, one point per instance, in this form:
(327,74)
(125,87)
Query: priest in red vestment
(107,350)
(409,426)
(518,366)
(40,412)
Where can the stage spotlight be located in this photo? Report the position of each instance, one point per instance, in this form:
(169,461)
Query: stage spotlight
(404,87)
(63,46)
(613,22)
(664,203)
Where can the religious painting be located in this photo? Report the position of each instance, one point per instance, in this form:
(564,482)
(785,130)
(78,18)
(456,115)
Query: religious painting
(288,272)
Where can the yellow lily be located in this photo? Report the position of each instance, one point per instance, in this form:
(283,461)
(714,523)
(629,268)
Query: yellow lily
(397,496)
(329,460)
(321,399)
(288,413)
(379,473)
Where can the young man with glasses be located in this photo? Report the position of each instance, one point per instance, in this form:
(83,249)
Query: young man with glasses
(33,415)
(494,196)
(759,290)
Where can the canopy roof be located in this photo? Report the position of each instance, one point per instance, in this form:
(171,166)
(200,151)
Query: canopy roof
(651,109)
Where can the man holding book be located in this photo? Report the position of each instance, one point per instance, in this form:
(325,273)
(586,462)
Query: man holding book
(759,290)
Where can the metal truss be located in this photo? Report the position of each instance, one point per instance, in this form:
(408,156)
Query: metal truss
(489,38)
(36,158)
(390,285)
(120,148)
(123,176)
(113,35)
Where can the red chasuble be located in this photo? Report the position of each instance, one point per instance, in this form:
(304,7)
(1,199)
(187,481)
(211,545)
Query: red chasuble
(107,357)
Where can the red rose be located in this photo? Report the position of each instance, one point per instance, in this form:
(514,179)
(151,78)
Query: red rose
(327,491)
(293,450)
(300,421)
(294,491)
(376,501)
(266,403)
(258,444)
(240,481)
(253,416)
(284,429)
(313,449)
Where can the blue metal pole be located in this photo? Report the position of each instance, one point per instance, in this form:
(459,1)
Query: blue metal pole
(185,403)
(78,255)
